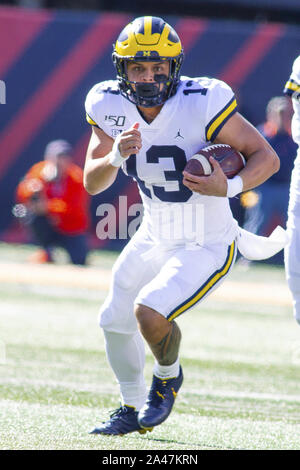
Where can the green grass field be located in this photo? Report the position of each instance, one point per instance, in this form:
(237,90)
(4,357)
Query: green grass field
(241,361)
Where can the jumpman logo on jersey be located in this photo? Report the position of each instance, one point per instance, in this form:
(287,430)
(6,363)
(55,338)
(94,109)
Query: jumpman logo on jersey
(178,135)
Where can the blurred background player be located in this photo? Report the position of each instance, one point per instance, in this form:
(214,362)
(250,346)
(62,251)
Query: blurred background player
(266,206)
(292,251)
(54,204)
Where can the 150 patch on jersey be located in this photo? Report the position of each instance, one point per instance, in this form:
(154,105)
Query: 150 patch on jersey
(115,120)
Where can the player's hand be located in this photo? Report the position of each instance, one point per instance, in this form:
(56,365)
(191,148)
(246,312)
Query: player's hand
(130,141)
(213,185)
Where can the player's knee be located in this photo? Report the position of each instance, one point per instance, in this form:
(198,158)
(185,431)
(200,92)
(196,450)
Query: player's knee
(115,318)
(297,317)
(294,286)
(122,278)
(104,315)
(143,315)
(151,323)
(296,308)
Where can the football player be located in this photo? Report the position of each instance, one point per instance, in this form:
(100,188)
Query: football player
(292,251)
(149,122)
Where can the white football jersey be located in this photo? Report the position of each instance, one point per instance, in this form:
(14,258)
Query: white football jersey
(187,122)
(292,89)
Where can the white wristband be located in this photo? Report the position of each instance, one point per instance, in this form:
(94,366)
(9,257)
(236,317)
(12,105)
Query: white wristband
(234,186)
(114,157)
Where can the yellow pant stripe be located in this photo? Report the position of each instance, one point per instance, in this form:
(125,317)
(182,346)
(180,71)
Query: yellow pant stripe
(206,286)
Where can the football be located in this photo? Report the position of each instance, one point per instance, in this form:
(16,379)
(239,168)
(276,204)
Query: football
(230,160)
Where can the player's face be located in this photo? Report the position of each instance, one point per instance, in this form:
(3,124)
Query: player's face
(145,71)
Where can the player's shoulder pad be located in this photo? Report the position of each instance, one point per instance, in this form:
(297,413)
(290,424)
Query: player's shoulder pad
(193,86)
(98,95)
(220,106)
(100,91)
(292,86)
(201,85)
(296,66)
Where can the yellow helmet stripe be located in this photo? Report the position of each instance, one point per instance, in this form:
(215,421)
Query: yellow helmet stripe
(148,26)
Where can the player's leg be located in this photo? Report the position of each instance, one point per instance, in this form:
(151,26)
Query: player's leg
(44,234)
(163,338)
(292,250)
(123,342)
(76,246)
(177,288)
(126,356)
(292,259)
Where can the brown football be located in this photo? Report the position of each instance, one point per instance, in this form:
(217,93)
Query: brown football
(230,160)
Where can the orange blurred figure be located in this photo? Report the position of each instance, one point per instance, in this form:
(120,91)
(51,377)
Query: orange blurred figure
(55,203)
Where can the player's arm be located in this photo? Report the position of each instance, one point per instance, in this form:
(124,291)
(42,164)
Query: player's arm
(99,172)
(262,160)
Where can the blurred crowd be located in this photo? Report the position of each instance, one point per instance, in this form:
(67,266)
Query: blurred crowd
(266,206)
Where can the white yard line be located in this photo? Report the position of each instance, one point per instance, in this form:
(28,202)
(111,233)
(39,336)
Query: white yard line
(93,388)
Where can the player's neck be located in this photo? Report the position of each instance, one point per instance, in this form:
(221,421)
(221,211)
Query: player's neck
(149,114)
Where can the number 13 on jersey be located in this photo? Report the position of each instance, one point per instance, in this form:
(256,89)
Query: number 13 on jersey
(160,156)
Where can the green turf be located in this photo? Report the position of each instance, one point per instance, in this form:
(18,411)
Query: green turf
(20,253)
(241,365)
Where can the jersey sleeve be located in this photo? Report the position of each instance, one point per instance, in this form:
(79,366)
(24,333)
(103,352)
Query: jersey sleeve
(90,107)
(90,120)
(221,105)
(101,105)
(292,86)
